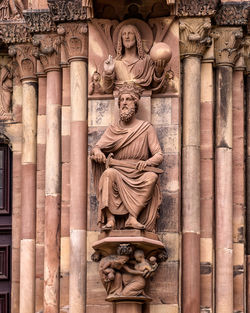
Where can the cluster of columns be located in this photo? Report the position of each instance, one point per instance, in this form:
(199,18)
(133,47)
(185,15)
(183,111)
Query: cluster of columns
(212,259)
(50,92)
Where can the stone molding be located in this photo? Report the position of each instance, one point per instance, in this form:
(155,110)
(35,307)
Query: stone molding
(194,36)
(49,48)
(75,40)
(67,10)
(25,57)
(233,14)
(197,8)
(228,40)
(39,21)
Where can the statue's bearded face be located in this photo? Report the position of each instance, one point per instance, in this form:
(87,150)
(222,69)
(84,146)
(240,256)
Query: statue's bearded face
(128,37)
(127,107)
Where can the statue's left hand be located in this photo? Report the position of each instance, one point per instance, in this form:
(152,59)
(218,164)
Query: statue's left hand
(141,165)
(159,67)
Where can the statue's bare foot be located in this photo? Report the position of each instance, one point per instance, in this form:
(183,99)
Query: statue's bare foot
(133,223)
(110,225)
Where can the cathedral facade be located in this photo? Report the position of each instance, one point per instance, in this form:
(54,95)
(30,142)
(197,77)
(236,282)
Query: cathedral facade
(124,156)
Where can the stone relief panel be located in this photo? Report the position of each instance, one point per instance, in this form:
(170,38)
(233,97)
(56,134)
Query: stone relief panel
(6,88)
(134,51)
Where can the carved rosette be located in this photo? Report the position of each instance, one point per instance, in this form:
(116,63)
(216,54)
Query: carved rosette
(39,21)
(194,36)
(233,14)
(48,51)
(25,57)
(197,7)
(75,40)
(227,44)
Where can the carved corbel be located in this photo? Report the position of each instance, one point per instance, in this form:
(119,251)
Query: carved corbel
(25,57)
(227,44)
(48,51)
(75,40)
(194,36)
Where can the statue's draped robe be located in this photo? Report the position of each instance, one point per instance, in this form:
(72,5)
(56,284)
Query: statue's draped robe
(140,72)
(123,189)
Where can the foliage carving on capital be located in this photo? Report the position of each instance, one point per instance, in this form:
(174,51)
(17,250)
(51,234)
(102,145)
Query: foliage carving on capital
(39,21)
(197,7)
(49,47)
(67,10)
(228,40)
(233,14)
(75,39)
(194,36)
(25,57)
(14,33)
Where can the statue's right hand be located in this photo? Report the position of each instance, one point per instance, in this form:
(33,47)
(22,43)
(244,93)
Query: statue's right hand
(109,65)
(98,156)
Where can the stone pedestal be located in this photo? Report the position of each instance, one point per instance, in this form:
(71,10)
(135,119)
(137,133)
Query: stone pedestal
(128,306)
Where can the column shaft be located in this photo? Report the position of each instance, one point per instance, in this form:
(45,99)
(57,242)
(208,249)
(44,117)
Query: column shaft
(191,185)
(223,181)
(78,182)
(238,188)
(52,193)
(207,184)
(28,193)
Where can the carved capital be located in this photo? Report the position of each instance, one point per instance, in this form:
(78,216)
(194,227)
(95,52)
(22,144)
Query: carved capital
(75,40)
(67,10)
(49,48)
(39,21)
(227,44)
(194,36)
(25,57)
(13,33)
(233,14)
(197,7)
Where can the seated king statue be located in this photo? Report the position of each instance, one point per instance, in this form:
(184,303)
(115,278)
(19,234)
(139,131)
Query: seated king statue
(125,168)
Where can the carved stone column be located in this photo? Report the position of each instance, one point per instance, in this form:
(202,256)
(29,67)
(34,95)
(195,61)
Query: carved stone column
(27,67)
(49,54)
(76,47)
(226,43)
(207,180)
(247,60)
(193,40)
(238,184)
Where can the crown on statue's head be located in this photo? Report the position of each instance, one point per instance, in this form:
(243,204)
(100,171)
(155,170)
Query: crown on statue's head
(130,88)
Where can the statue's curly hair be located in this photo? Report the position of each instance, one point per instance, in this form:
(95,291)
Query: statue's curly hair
(120,48)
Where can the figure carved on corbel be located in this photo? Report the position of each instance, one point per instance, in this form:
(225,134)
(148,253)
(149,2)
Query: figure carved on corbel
(133,57)
(125,274)
(48,50)
(6,87)
(194,36)
(227,41)
(11,10)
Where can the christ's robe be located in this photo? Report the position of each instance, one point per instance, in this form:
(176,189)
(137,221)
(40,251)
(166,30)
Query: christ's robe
(122,188)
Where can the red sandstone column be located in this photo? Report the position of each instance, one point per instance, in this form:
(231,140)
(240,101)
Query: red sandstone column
(207,181)
(40,200)
(51,64)
(27,66)
(238,185)
(247,59)
(78,161)
(192,52)
(225,43)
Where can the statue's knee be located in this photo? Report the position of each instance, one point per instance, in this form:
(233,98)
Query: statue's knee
(110,172)
(153,178)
